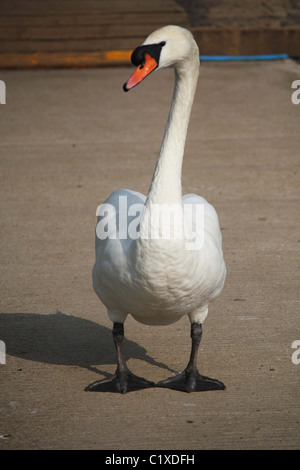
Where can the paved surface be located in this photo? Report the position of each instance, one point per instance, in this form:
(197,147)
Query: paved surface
(68,138)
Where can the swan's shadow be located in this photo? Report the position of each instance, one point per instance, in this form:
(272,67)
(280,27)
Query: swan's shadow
(65,340)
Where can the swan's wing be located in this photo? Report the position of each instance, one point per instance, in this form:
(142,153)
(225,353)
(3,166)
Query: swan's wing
(194,200)
(205,219)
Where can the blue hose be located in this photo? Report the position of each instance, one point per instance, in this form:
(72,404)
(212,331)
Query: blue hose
(219,58)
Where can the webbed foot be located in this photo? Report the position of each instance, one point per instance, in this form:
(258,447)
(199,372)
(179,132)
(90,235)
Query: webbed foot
(121,382)
(191,382)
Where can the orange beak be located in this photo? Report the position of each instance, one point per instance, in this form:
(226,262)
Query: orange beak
(141,72)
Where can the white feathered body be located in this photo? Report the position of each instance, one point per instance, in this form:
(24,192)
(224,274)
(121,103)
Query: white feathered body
(158,281)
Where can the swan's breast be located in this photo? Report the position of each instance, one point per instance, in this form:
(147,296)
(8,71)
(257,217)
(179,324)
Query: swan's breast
(160,280)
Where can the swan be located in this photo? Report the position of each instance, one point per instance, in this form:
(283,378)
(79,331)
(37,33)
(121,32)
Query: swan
(159,257)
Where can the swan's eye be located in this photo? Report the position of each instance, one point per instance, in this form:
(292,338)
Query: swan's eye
(163,43)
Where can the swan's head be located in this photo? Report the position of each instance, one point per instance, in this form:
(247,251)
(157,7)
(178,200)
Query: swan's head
(165,47)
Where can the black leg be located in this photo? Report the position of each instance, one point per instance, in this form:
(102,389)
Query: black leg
(123,380)
(190,380)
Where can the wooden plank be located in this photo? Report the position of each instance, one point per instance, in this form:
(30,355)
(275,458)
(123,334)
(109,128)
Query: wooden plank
(92,45)
(127,18)
(63,59)
(55,33)
(44,7)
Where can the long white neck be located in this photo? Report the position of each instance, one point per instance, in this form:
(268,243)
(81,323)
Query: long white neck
(166,183)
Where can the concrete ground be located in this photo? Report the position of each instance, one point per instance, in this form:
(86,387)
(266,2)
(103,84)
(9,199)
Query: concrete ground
(70,137)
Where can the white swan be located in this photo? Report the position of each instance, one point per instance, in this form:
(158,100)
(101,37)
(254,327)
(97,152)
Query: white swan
(159,269)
